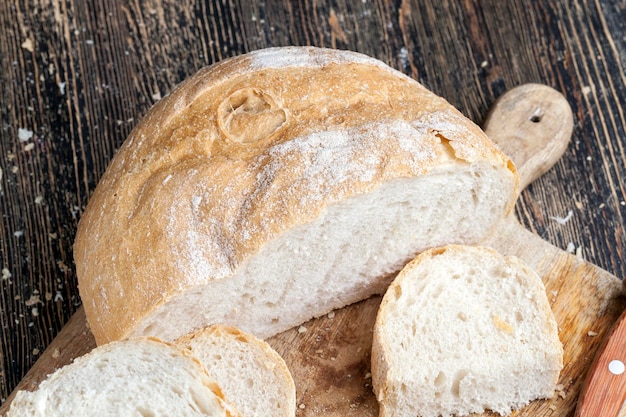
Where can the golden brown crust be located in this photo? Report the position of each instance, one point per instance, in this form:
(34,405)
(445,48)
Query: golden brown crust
(238,154)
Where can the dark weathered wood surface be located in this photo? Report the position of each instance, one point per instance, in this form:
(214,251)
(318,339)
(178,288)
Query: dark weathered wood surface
(78,75)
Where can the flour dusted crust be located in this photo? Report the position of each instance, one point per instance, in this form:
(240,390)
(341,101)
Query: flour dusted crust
(242,152)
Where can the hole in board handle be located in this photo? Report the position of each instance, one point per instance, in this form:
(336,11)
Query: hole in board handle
(537,115)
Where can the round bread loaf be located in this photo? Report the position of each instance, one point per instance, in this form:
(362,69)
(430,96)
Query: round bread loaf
(276,186)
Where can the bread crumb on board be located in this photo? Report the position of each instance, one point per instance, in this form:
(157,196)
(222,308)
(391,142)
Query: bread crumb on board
(24,134)
(6,274)
(579,252)
(563,220)
(554,295)
(34,299)
(28,45)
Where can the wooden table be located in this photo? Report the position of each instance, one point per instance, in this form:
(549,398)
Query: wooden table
(78,75)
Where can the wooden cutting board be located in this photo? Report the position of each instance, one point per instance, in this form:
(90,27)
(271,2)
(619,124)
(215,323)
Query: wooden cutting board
(329,357)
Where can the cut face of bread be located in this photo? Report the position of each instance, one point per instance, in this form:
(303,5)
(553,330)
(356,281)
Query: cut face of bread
(275,187)
(250,373)
(144,378)
(462,330)
(348,253)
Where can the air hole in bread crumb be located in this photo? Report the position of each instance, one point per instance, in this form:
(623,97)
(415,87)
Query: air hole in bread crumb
(143,412)
(201,403)
(456,384)
(397,291)
(440,380)
(437,292)
(475,198)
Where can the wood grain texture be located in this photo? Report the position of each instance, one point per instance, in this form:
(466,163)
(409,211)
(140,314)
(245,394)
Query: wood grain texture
(79,75)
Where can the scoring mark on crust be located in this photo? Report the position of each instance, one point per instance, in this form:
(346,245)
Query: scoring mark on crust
(250,115)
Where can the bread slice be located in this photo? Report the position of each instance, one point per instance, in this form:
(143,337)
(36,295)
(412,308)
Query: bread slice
(275,187)
(251,374)
(463,330)
(144,378)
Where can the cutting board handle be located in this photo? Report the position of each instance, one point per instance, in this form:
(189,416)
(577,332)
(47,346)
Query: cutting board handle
(532,124)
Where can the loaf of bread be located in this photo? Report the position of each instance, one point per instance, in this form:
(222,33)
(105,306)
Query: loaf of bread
(461,330)
(276,186)
(252,375)
(142,377)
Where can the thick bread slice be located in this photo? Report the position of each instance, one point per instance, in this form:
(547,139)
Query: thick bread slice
(275,187)
(251,374)
(462,330)
(142,377)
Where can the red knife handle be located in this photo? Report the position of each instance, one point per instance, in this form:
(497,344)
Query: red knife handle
(604,392)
